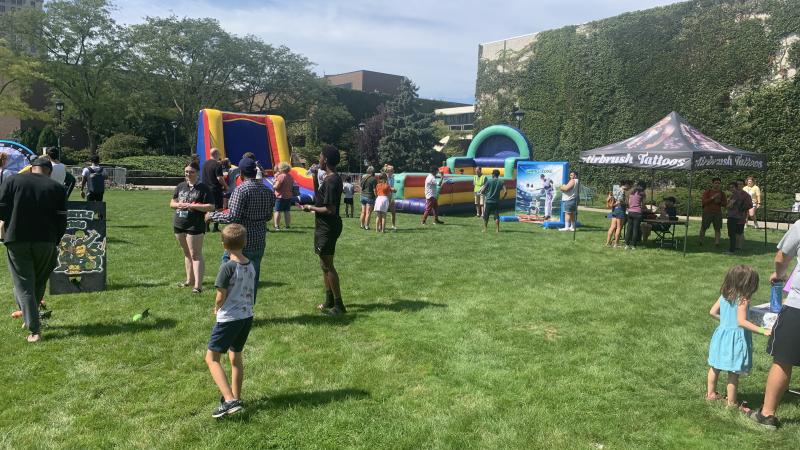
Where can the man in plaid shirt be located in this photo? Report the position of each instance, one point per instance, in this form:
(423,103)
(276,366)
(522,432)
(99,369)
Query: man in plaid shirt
(251,206)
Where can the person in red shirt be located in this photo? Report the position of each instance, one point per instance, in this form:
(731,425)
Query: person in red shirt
(382,192)
(713,199)
(284,194)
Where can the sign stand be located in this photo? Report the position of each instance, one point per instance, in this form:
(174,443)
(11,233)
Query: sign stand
(82,261)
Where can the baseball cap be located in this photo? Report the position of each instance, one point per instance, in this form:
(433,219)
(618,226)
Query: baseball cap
(248,167)
(42,161)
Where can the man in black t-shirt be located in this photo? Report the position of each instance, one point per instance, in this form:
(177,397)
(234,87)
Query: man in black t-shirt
(33,209)
(214,178)
(328,227)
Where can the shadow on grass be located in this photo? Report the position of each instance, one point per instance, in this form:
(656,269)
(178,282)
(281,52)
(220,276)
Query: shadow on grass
(303,400)
(133,285)
(130,226)
(113,240)
(266,284)
(308,319)
(396,306)
(107,329)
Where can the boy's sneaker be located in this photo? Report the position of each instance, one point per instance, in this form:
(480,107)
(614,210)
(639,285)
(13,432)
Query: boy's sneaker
(768,422)
(227,408)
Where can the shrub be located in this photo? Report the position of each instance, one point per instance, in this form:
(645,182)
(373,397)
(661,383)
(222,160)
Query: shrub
(165,165)
(47,138)
(122,145)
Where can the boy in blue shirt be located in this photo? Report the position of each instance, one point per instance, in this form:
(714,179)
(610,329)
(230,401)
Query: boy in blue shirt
(234,310)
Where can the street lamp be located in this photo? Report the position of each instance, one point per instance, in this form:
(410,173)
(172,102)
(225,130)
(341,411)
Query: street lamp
(518,114)
(60,109)
(361,129)
(174,127)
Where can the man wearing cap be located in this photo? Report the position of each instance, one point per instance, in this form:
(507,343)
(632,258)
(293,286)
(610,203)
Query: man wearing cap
(251,206)
(33,209)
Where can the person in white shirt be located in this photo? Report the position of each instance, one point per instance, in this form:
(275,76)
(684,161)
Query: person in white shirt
(431,197)
(59,172)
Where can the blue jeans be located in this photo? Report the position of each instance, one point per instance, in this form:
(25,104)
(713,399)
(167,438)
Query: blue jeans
(255,257)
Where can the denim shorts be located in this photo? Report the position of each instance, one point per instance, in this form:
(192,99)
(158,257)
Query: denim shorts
(571,206)
(230,335)
(283,204)
(367,201)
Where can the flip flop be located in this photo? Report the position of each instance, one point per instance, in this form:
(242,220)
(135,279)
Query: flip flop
(34,338)
(714,397)
(16,314)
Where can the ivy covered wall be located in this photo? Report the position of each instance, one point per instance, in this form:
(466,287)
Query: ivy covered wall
(729,67)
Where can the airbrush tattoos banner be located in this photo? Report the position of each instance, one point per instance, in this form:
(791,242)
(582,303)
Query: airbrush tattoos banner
(674,144)
(82,259)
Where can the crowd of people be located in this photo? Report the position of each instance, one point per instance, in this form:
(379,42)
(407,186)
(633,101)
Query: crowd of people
(630,212)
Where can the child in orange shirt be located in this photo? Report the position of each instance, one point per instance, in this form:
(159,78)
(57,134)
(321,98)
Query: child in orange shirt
(382,194)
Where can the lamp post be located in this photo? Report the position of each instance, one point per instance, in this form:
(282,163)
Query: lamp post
(361,129)
(60,109)
(174,127)
(519,114)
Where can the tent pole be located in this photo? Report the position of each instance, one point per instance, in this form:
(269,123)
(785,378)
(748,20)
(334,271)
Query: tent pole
(688,211)
(653,185)
(577,204)
(764,206)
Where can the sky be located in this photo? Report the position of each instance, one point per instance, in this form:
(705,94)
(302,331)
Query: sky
(434,43)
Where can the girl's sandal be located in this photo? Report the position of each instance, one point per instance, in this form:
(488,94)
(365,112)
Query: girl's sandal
(714,397)
(197,291)
(184,284)
(744,407)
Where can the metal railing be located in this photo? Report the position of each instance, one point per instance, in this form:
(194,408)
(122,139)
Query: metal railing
(115,176)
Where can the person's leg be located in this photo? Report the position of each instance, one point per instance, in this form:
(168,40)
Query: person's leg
(255,257)
(717,230)
(739,236)
(733,384)
(287,218)
(435,206)
(237,373)
(393,208)
(218,374)
(703,227)
(477,206)
(778,379)
(485,218)
(363,216)
(711,383)
(427,211)
(331,277)
(629,230)
(187,258)
(370,208)
(636,223)
(45,259)
(548,206)
(497,221)
(646,229)
(276,219)
(23,277)
(732,235)
(620,226)
(195,243)
(611,229)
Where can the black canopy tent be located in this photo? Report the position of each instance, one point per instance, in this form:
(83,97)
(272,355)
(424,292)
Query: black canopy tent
(674,144)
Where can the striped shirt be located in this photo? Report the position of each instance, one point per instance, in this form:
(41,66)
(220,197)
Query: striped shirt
(251,206)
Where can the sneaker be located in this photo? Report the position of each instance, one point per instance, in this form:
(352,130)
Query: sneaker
(227,408)
(563,229)
(335,311)
(277,229)
(627,247)
(768,422)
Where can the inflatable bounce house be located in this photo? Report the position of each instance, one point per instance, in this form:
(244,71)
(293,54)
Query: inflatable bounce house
(235,134)
(499,147)
(19,156)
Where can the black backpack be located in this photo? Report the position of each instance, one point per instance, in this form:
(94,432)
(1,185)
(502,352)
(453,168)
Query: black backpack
(96,183)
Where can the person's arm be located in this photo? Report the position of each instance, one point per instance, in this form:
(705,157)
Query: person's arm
(219,300)
(714,312)
(220,174)
(61,216)
(568,186)
(174,203)
(505,191)
(757,197)
(741,318)
(708,198)
(235,210)
(781,266)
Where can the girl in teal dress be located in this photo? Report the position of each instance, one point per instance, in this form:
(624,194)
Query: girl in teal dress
(731,347)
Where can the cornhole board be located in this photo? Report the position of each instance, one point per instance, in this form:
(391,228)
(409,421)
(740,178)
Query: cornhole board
(82,261)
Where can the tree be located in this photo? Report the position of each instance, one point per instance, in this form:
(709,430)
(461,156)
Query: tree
(409,135)
(47,138)
(18,71)
(369,139)
(193,62)
(81,51)
(274,80)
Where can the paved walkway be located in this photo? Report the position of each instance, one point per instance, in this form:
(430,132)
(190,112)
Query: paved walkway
(772,226)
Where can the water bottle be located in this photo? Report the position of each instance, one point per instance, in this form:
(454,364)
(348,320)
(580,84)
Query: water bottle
(776,296)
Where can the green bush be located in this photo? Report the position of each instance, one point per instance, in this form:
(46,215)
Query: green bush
(47,138)
(72,157)
(171,166)
(122,145)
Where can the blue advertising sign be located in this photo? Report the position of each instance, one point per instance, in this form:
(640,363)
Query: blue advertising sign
(539,193)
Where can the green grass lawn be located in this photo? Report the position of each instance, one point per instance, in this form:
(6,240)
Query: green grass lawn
(455,339)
